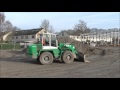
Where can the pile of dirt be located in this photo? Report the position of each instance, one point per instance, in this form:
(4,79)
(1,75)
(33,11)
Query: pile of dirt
(96,51)
(24,50)
(84,48)
(107,52)
(64,40)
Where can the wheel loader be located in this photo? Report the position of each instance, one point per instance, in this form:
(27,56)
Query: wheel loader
(48,49)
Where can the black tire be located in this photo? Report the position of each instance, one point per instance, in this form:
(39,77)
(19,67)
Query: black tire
(67,57)
(46,58)
(37,59)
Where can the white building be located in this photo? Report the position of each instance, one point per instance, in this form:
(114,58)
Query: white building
(109,37)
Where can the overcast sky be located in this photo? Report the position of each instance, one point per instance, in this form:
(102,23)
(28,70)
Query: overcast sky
(64,20)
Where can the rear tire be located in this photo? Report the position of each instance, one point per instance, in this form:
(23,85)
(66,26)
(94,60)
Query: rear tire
(67,57)
(46,58)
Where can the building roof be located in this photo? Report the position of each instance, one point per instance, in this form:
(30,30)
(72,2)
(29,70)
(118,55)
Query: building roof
(27,32)
(63,33)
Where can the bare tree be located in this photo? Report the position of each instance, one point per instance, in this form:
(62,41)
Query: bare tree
(46,25)
(51,29)
(6,26)
(2,20)
(16,28)
(81,26)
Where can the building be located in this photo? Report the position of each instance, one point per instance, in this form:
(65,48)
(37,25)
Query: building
(96,37)
(4,36)
(63,34)
(101,38)
(30,36)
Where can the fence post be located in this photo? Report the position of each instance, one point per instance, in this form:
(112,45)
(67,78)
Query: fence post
(118,37)
(110,37)
(14,46)
(96,37)
(1,46)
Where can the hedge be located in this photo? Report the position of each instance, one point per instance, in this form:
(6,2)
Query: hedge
(9,46)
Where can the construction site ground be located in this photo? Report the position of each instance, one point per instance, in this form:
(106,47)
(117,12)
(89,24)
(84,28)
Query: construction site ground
(14,64)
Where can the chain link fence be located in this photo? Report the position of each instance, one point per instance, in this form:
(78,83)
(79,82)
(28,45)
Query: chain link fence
(8,46)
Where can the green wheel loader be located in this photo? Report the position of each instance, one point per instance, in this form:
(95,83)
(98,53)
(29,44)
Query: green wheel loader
(47,49)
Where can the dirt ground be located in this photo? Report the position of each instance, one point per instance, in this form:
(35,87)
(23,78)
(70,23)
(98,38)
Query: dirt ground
(14,64)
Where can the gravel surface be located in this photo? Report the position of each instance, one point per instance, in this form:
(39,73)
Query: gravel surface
(14,64)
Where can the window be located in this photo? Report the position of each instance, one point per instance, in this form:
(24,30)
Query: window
(53,40)
(33,36)
(26,37)
(16,37)
(21,37)
(46,37)
(13,37)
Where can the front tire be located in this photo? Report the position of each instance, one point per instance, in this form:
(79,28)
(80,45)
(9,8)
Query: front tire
(46,58)
(67,57)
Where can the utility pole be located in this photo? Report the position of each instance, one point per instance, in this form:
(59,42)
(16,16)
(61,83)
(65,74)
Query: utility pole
(110,37)
(96,37)
(115,36)
(99,36)
(106,37)
(118,36)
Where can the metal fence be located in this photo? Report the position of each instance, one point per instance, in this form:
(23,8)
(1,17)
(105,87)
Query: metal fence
(13,46)
(8,46)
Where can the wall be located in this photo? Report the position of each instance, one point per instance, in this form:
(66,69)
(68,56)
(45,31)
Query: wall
(30,39)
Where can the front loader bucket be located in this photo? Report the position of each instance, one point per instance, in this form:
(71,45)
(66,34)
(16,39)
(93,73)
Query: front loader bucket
(82,57)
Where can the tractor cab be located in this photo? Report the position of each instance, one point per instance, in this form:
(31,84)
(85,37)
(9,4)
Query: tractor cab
(48,41)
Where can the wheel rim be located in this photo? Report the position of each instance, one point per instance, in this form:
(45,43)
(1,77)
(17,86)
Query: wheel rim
(45,59)
(68,57)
